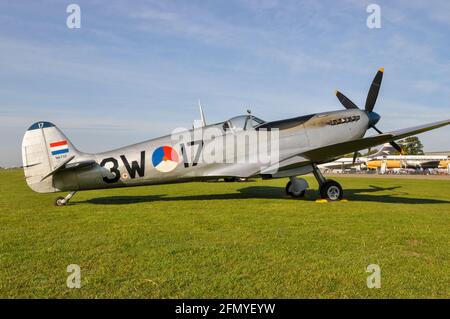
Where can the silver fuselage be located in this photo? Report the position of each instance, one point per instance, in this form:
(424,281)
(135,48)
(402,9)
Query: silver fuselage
(296,136)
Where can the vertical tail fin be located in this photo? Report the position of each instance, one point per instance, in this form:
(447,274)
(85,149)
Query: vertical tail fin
(44,148)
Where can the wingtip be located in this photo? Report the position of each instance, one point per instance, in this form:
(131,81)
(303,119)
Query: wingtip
(381,70)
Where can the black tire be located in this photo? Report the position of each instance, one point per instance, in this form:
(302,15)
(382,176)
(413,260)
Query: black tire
(59,201)
(294,195)
(331,190)
(229,179)
(288,185)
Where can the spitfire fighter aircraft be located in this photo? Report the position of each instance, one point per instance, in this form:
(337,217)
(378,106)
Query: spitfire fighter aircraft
(53,164)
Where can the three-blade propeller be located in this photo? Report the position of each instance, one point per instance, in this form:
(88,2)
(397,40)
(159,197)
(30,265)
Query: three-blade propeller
(371,99)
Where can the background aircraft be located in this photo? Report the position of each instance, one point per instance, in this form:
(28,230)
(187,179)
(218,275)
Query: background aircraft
(385,159)
(52,163)
(349,162)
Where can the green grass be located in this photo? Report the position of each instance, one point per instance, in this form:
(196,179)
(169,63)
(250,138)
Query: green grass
(222,240)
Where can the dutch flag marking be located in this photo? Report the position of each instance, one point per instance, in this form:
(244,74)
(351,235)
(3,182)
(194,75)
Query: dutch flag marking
(60,147)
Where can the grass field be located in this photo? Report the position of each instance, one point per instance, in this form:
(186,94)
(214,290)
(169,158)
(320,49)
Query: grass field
(227,240)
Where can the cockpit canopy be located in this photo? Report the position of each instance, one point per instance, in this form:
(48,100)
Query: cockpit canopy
(242,122)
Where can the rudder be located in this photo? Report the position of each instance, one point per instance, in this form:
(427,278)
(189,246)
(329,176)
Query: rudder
(44,148)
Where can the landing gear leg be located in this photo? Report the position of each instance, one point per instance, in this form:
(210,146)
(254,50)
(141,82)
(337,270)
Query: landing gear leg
(296,187)
(328,189)
(61,201)
(318,175)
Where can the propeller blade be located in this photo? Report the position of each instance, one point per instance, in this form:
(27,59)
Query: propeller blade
(375,128)
(393,144)
(397,147)
(355,155)
(345,101)
(373,91)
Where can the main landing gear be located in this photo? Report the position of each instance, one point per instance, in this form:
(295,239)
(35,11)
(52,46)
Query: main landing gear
(62,201)
(328,189)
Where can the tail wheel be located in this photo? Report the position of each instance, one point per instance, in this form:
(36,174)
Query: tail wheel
(294,194)
(59,201)
(331,190)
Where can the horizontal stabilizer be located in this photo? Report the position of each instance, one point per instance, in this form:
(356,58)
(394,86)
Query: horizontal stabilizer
(70,166)
(58,168)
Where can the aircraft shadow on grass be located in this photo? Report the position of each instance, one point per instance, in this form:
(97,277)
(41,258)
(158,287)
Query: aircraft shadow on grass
(273,192)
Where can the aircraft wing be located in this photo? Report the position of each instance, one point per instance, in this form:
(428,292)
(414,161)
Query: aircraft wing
(335,150)
(325,153)
(399,134)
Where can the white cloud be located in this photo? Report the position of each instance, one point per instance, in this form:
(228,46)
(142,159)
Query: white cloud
(427,86)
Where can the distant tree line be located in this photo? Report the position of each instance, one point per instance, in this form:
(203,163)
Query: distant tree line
(411,146)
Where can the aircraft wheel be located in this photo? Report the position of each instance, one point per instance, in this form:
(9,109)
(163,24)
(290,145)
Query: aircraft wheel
(331,190)
(59,201)
(294,194)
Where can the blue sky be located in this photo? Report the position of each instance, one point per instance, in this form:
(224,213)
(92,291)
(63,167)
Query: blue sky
(136,69)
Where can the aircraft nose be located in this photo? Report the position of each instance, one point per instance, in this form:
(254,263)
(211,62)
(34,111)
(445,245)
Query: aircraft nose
(373,118)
